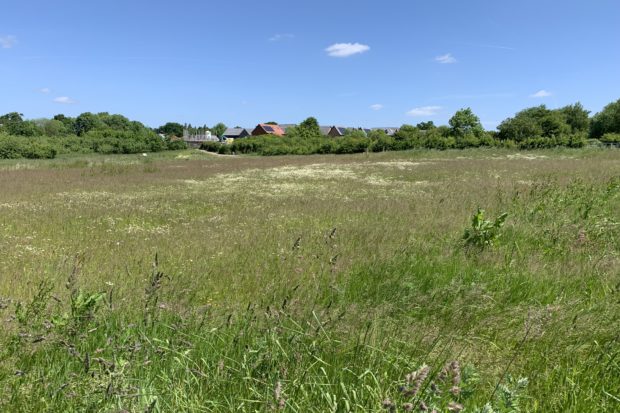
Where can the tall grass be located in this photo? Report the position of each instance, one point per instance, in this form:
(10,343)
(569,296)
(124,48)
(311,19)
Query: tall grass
(312,284)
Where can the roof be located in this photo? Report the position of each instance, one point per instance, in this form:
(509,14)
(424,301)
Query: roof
(341,130)
(324,129)
(234,131)
(272,129)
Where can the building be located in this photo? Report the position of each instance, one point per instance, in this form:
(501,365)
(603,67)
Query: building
(325,130)
(197,139)
(336,131)
(388,131)
(265,129)
(236,133)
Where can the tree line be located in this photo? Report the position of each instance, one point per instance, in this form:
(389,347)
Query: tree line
(535,127)
(87,133)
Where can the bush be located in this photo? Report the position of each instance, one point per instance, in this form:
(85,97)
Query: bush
(611,138)
(15,147)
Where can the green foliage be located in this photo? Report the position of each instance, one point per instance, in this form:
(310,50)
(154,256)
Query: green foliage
(309,128)
(219,129)
(606,121)
(14,147)
(426,125)
(171,129)
(88,133)
(483,233)
(540,122)
(612,138)
(576,117)
(465,123)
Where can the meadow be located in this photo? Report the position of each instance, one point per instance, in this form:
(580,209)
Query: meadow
(186,281)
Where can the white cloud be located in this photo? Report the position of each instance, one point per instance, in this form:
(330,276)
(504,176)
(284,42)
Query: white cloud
(376,106)
(424,111)
(541,94)
(445,59)
(45,90)
(346,49)
(65,100)
(6,42)
(281,36)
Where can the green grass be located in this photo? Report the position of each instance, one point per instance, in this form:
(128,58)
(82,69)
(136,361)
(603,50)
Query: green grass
(312,283)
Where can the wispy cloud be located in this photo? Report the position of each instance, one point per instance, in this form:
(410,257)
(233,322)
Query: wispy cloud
(346,49)
(65,100)
(6,42)
(446,59)
(45,90)
(281,36)
(424,111)
(541,94)
(376,106)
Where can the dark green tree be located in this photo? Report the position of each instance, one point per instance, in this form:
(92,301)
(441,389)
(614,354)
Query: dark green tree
(606,121)
(171,129)
(85,123)
(576,117)
(425,125)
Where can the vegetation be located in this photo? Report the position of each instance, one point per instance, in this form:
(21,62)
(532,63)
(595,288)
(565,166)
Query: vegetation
(87,133)
(607,121)
(184,281)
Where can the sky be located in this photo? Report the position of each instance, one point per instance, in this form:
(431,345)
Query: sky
(351,63)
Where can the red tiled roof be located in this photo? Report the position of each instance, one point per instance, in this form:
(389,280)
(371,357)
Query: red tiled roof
(272,129)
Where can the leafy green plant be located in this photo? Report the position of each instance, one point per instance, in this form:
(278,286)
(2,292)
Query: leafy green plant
(483,233)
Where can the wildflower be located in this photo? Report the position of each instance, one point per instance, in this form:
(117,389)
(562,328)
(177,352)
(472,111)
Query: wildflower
(278,395)
(387,404)
(408,407)
(416,379)
(455,407)
(455,368)
(455,390)
(423,406)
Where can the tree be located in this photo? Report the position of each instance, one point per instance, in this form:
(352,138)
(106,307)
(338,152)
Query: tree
(171,129)
(85,123)
(425,125)
(118,122)
(606,121)
(53,127)
(465,122)
(309,128)
(576,117)
(271,123)
(534,122)
(67,121)
(219,129)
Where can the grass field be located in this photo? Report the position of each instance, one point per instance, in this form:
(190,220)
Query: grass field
(186,281)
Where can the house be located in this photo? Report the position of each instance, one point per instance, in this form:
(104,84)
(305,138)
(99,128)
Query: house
(336,131)
(325,130)
(265,129)
(388,131)
(235,133)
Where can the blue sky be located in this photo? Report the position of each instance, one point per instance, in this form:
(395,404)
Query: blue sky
(354,63)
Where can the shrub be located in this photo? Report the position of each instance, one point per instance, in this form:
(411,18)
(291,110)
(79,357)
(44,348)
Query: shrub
(483,232)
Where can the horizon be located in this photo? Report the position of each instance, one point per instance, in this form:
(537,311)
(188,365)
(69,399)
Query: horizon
(379,66)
